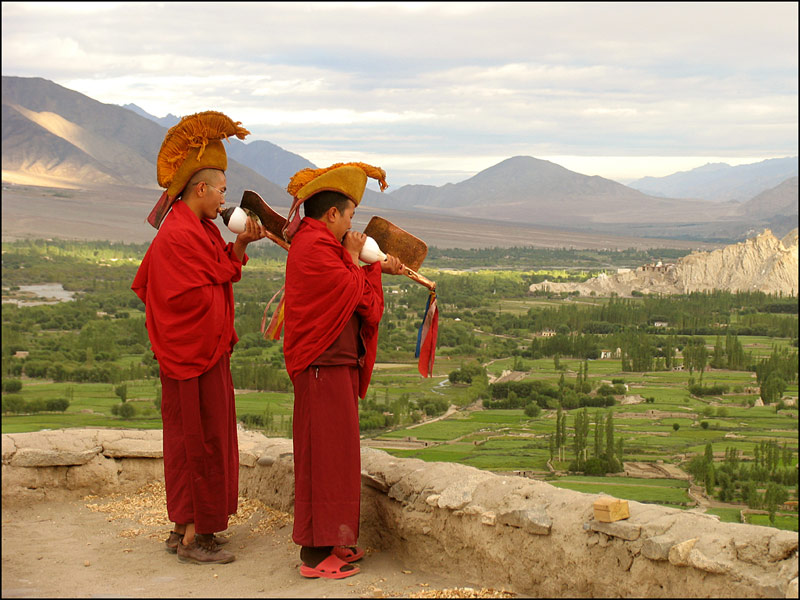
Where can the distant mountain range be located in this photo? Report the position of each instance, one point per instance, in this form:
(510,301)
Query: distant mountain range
(265,158)
(167,121)
(53,136)
(56,137)
(720,182)
(526,189)
(523,189)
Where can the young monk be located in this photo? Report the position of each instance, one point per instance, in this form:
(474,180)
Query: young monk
(185,281)
(332,310)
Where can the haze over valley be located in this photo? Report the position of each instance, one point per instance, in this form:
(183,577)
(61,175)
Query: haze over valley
(98,160)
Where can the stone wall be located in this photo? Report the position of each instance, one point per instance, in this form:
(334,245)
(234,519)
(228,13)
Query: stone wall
(494,531)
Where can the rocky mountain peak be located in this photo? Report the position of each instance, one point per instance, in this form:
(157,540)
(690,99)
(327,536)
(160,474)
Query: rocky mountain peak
(761,263)
(790,239)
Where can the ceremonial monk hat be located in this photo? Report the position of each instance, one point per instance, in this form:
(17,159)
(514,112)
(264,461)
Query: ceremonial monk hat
(190,146)
(349,179)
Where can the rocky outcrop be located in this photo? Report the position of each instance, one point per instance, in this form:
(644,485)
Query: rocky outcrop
(494,531)
(762,263)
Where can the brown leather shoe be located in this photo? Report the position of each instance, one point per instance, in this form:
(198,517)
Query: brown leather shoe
(176,538)
(204,551)
(172,541)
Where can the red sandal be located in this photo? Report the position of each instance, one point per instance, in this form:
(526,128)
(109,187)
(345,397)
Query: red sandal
(348,554)
(330,568)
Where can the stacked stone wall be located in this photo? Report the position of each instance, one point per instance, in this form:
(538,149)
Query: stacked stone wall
(492,530)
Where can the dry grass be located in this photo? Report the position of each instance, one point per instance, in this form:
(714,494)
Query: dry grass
(465,592)
(147,506)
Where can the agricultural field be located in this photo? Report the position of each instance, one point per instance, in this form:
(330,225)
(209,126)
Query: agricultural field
(521,382)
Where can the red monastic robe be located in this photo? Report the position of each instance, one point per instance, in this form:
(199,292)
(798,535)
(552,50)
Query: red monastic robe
(185,281)
(324,289)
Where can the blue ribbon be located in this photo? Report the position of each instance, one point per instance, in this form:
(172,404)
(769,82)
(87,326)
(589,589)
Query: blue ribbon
(419,333)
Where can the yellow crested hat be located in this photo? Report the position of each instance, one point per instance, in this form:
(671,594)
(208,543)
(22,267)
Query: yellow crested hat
(190,146)
(349,179)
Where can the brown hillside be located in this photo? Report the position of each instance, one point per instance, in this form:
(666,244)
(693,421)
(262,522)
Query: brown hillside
(31,154)
(780,200)
(55,137)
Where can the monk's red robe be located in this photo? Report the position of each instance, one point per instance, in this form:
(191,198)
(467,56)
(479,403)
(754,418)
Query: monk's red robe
(332,311)
(323,289)
(186,282)
(201,448)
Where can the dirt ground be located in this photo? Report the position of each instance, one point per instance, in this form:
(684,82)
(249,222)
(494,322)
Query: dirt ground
(112,547)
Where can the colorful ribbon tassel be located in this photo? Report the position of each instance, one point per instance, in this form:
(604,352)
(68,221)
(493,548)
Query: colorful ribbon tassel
(426,338)
(273,331)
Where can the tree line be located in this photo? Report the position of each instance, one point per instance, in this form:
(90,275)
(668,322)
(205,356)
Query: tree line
(771,470)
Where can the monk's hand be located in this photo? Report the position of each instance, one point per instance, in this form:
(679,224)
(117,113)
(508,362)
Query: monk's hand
(353,242)
(392,266)
(253,231)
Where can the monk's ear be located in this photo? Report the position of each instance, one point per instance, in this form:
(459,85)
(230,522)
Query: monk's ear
(330,214)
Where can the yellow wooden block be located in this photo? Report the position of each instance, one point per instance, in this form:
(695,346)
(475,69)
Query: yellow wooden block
(608,509)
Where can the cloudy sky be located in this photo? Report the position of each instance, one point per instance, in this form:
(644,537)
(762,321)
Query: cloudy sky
(435,92)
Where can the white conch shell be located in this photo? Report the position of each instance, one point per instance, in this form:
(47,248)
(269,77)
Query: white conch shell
(371,252)
(237,220)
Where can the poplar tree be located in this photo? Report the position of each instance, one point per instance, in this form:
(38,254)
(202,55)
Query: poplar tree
(718,357)
(581,434)
(586,372)
(774,496)
(578,426)
(558,439)
(598,434)
(669,352)
(709,454)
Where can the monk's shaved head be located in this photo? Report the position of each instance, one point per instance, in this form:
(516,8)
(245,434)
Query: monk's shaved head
(211,176)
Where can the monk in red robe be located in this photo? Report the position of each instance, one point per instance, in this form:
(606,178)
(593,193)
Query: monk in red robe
(332,310)
(185,281)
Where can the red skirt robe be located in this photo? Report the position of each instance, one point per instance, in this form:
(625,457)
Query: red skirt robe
(329,353)
(185,281)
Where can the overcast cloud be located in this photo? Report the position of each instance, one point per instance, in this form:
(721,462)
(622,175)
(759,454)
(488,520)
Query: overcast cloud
(434,92)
